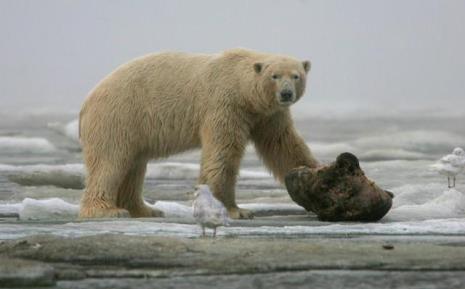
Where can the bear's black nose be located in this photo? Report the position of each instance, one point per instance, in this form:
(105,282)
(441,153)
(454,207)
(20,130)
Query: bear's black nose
(286,95)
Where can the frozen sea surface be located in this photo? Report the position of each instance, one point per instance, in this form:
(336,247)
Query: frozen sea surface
(41,181)
(441,214)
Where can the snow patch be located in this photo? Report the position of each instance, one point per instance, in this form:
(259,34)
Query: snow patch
(49,209)
(413,206)
(16,144)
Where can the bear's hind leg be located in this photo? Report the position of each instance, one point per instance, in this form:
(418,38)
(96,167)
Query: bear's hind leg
(130,193)
(99,200)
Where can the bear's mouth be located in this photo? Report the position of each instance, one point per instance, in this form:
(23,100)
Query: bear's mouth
(286,103)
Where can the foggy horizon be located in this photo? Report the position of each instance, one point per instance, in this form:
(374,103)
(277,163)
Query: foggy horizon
(378,56)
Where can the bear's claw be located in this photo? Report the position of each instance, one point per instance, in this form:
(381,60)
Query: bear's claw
(147,212)
(238,213)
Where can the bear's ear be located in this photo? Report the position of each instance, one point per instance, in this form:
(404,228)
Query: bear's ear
(258,67)
(307,65)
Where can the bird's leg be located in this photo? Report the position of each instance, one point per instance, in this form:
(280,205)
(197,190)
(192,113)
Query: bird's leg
(214,232)
(448,182)
(453,185)
(203,231)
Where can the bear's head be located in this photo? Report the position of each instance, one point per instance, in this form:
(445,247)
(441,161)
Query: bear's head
(280,81)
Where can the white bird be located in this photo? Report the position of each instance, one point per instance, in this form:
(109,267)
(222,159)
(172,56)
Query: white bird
(208,211)
(451,165)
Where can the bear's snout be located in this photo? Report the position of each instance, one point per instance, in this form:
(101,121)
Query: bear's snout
(286,96)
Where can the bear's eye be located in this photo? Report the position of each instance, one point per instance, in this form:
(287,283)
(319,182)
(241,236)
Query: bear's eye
(275,76)
(295,76)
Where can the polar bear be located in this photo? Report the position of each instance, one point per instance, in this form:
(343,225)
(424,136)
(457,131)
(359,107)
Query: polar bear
(166,103)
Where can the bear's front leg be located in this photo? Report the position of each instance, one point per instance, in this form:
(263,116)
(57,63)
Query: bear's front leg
(222,150)
(280,146)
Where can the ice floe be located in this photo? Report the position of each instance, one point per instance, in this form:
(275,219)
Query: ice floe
(72,175)
(392,145)
(70,129)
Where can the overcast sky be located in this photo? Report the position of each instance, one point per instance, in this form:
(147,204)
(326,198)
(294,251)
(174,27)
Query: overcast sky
(381,55)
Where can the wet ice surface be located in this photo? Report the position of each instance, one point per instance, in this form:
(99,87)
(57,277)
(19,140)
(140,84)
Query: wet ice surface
(441,215)
(158,227)
(41,180)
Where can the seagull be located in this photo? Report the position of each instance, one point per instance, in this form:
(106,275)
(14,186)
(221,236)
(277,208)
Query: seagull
(451,165)
(208,211)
